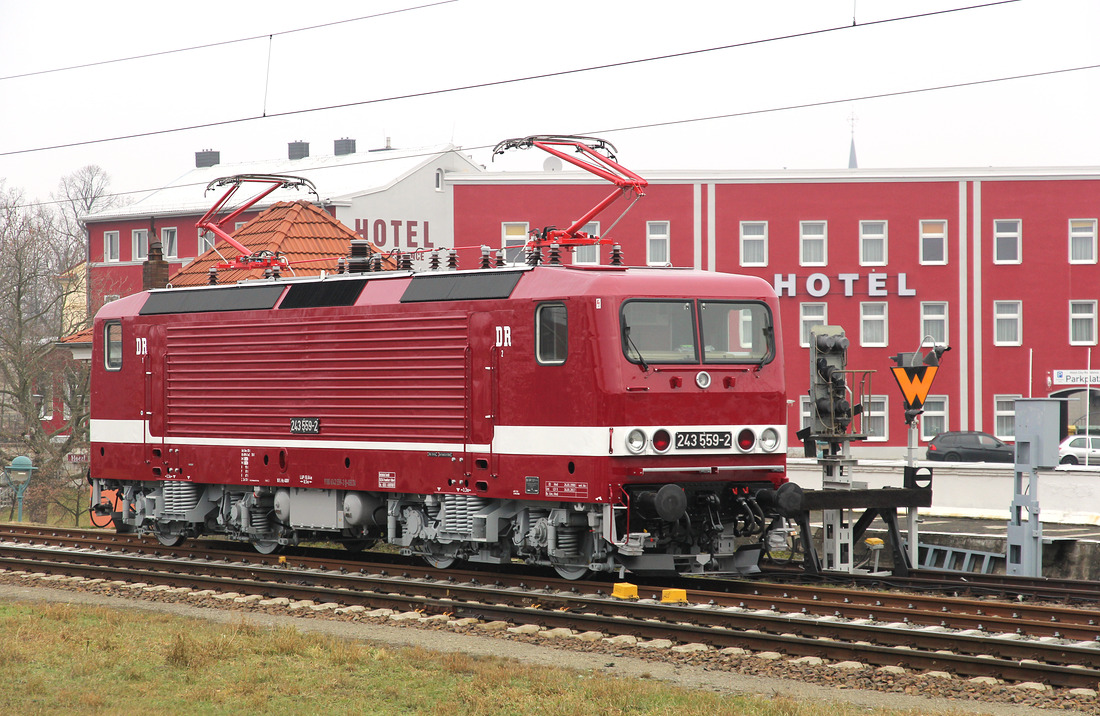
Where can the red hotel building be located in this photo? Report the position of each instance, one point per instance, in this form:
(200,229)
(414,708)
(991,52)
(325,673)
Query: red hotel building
(999,264)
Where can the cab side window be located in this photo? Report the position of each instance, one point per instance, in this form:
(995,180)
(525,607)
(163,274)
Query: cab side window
(112,343)
(551,334)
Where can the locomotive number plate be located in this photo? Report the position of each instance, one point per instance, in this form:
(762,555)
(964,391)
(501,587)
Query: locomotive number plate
(307,426)
(694,441)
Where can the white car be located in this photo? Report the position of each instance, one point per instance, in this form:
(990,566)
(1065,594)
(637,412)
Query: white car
(1080,450)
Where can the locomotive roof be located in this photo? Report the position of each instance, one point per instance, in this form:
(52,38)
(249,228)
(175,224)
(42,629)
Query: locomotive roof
(398,287)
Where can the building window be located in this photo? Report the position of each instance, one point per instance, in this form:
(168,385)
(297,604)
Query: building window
(238,226)
(875,425)
(588,255)
(1082,323)
(872,243)
(1004,416)
(110,246)
(1082,241)
(933,242)
(551,334)
(804,410)
(1007,321)
(934,419)
(873,331)
(140,244)
(168,243)
(810,315)
(813,246)
(439,180)
(754,243)
(657,243)
(1006,241)
(933,321)
(206,241)
(513,237)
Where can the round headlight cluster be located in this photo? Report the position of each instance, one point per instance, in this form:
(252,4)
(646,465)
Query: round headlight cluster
(635,441)
(769,439)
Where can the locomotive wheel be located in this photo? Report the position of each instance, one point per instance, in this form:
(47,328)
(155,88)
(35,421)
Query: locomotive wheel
(169,539)
(265,546)
(439,562)
(571,571)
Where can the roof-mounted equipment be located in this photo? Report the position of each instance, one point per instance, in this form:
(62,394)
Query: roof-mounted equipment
(596,156)
(248,258)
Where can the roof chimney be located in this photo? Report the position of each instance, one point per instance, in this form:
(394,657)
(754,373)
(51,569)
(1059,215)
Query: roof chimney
(297,150)
(343,146)
(207,158)
(154,271)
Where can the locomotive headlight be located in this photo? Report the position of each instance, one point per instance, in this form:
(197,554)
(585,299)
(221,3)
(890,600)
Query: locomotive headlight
(769,439)
(662,441)
(746,440)
(635,441)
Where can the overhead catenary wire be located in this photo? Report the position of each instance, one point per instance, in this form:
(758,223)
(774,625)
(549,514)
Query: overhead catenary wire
(208,45)
(496,83)
(709,118)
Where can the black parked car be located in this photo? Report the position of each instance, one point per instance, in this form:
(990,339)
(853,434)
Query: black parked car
(969,446)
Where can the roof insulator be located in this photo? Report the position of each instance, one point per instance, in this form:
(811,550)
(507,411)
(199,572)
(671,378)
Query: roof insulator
(433,261)
(486,262)
(212,279)
(452,260)
(500,257)
(616,255)
(555,255)
(341,265)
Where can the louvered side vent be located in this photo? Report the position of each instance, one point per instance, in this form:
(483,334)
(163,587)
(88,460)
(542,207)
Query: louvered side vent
(394,379)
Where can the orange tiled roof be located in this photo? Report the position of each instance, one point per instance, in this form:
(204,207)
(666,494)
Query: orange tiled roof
(81,336)
(309,238)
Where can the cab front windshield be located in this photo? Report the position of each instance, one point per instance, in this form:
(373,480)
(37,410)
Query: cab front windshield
(683,330)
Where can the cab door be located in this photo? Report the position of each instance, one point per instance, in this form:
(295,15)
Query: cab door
(483,368)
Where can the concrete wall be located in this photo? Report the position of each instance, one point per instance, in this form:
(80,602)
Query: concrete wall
(1069,495)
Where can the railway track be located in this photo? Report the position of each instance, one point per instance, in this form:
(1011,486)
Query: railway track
(1053,644)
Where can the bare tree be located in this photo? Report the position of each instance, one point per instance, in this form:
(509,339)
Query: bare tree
(35,310)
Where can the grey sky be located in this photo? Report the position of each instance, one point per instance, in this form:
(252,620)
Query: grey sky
(1042,121)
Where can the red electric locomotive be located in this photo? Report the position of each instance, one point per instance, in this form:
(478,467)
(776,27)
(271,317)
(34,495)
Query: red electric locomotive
(585,418)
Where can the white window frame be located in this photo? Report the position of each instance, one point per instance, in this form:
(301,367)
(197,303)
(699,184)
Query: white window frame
(1091,236)
(865,236)
(999,235)
(139,240)
(237,226)
(206,241)
(805,416)
(926,318)
(927,434)
(999,414)
(803,237)
(111,241)
(805,322)
(933,229)
(1008,311)
(869,412)
(582,255)
(652,236)
(762,239)
(169,242)
(1089,314)
(513,243)
(865,317)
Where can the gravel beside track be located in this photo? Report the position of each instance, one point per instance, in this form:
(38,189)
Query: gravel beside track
(710,670)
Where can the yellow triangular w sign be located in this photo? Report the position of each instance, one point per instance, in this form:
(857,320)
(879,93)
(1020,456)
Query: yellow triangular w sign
(915,383)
